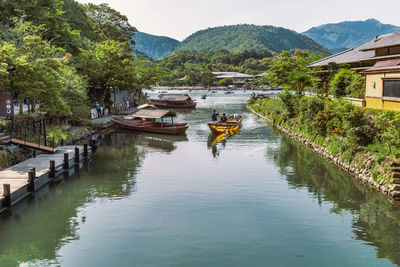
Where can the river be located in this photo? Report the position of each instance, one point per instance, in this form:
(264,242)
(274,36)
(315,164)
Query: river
(258,199)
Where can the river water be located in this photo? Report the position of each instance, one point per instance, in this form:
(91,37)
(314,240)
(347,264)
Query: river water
(257,199)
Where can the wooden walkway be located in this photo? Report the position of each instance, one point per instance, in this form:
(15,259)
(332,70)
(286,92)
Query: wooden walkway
(17,176)
(33,145)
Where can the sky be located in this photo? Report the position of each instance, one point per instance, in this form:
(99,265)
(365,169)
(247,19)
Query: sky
(180,18)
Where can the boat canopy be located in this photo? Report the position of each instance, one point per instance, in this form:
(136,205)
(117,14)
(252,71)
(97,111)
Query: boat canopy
(174,97)
(153,113)
(147,106)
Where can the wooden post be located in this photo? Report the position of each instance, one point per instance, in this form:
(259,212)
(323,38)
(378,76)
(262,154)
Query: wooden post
(34,153)
(7,195)
(85,150)
(62,142)
(162,123)
(44,132)
(66,161)
(76,154)
(31,181)
(52,173)
(93,145)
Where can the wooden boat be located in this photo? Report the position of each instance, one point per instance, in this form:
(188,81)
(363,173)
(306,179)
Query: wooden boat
(173,101)
(229,92)
(222,137)
(144,120)
(233,123)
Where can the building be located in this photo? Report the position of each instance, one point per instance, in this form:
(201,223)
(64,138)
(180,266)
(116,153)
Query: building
(240,79)
(379,61)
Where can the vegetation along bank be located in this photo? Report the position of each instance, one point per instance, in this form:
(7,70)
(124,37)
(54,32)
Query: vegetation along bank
(363,141)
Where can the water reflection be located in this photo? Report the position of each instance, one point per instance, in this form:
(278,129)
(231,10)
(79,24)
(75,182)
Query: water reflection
(50,221)
(214,139)
(375,219)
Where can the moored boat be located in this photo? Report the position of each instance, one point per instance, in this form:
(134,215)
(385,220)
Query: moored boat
(144,120)
(173,101)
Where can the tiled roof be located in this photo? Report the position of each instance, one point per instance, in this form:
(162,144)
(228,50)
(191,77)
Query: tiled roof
(387,63)
(383,41)
(361,53)
(221,75)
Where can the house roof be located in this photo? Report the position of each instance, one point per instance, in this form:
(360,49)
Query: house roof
(222,75)
(387,63)
(153,113)
(383,41)
(362,53)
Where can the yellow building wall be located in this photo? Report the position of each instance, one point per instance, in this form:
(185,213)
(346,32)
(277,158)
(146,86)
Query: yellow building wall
(373,85)
(376,103)
(391,105)
(374,91)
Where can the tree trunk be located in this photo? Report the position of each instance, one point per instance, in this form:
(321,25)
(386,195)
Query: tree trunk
(21,107)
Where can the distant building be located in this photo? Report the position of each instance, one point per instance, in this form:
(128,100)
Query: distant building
(240,79)
(379,61)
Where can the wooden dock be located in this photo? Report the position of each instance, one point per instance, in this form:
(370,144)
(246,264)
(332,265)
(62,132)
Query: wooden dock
(25,178)
(47,149)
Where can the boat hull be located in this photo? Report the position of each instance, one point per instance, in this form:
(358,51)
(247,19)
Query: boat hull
(148,126)
(222,127)
(232,124)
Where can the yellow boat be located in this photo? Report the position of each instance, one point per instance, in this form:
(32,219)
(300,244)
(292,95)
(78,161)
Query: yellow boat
(233,123)
(217,138)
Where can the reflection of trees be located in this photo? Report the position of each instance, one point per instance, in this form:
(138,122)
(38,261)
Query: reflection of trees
(376,220)
(42,228)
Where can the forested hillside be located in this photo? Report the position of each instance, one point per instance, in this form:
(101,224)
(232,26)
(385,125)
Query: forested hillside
(242,37)
(154,46)
(348,34)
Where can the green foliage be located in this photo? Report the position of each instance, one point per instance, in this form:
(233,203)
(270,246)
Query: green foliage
(242,37)
(347,131)
(197,66)
(109,24)
(156,47)
(226,81)
(57,134)
(289,69)
(347,83)
(34,68)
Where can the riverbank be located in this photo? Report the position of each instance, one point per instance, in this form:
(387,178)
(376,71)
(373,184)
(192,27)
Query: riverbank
(362,167)
(216,88)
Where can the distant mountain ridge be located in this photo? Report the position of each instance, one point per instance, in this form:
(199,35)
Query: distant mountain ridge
(154,46)
(348,34)
(235,38)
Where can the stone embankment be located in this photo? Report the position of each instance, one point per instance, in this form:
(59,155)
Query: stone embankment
(362,172)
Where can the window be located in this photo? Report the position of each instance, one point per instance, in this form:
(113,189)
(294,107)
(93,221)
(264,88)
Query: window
(391,88)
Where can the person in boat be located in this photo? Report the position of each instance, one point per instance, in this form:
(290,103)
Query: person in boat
(223,118)
(214,116)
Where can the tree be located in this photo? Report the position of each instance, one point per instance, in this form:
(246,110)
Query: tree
(289,69)
(206,77)
(347,83)
(226,81)
(32,67)
(110,24)
(107,66)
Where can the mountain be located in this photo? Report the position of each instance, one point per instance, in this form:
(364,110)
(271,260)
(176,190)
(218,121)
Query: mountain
(348,34)
(242,37)
(154,46)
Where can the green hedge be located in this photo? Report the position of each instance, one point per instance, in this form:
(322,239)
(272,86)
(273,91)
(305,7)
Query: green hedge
(347,131)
